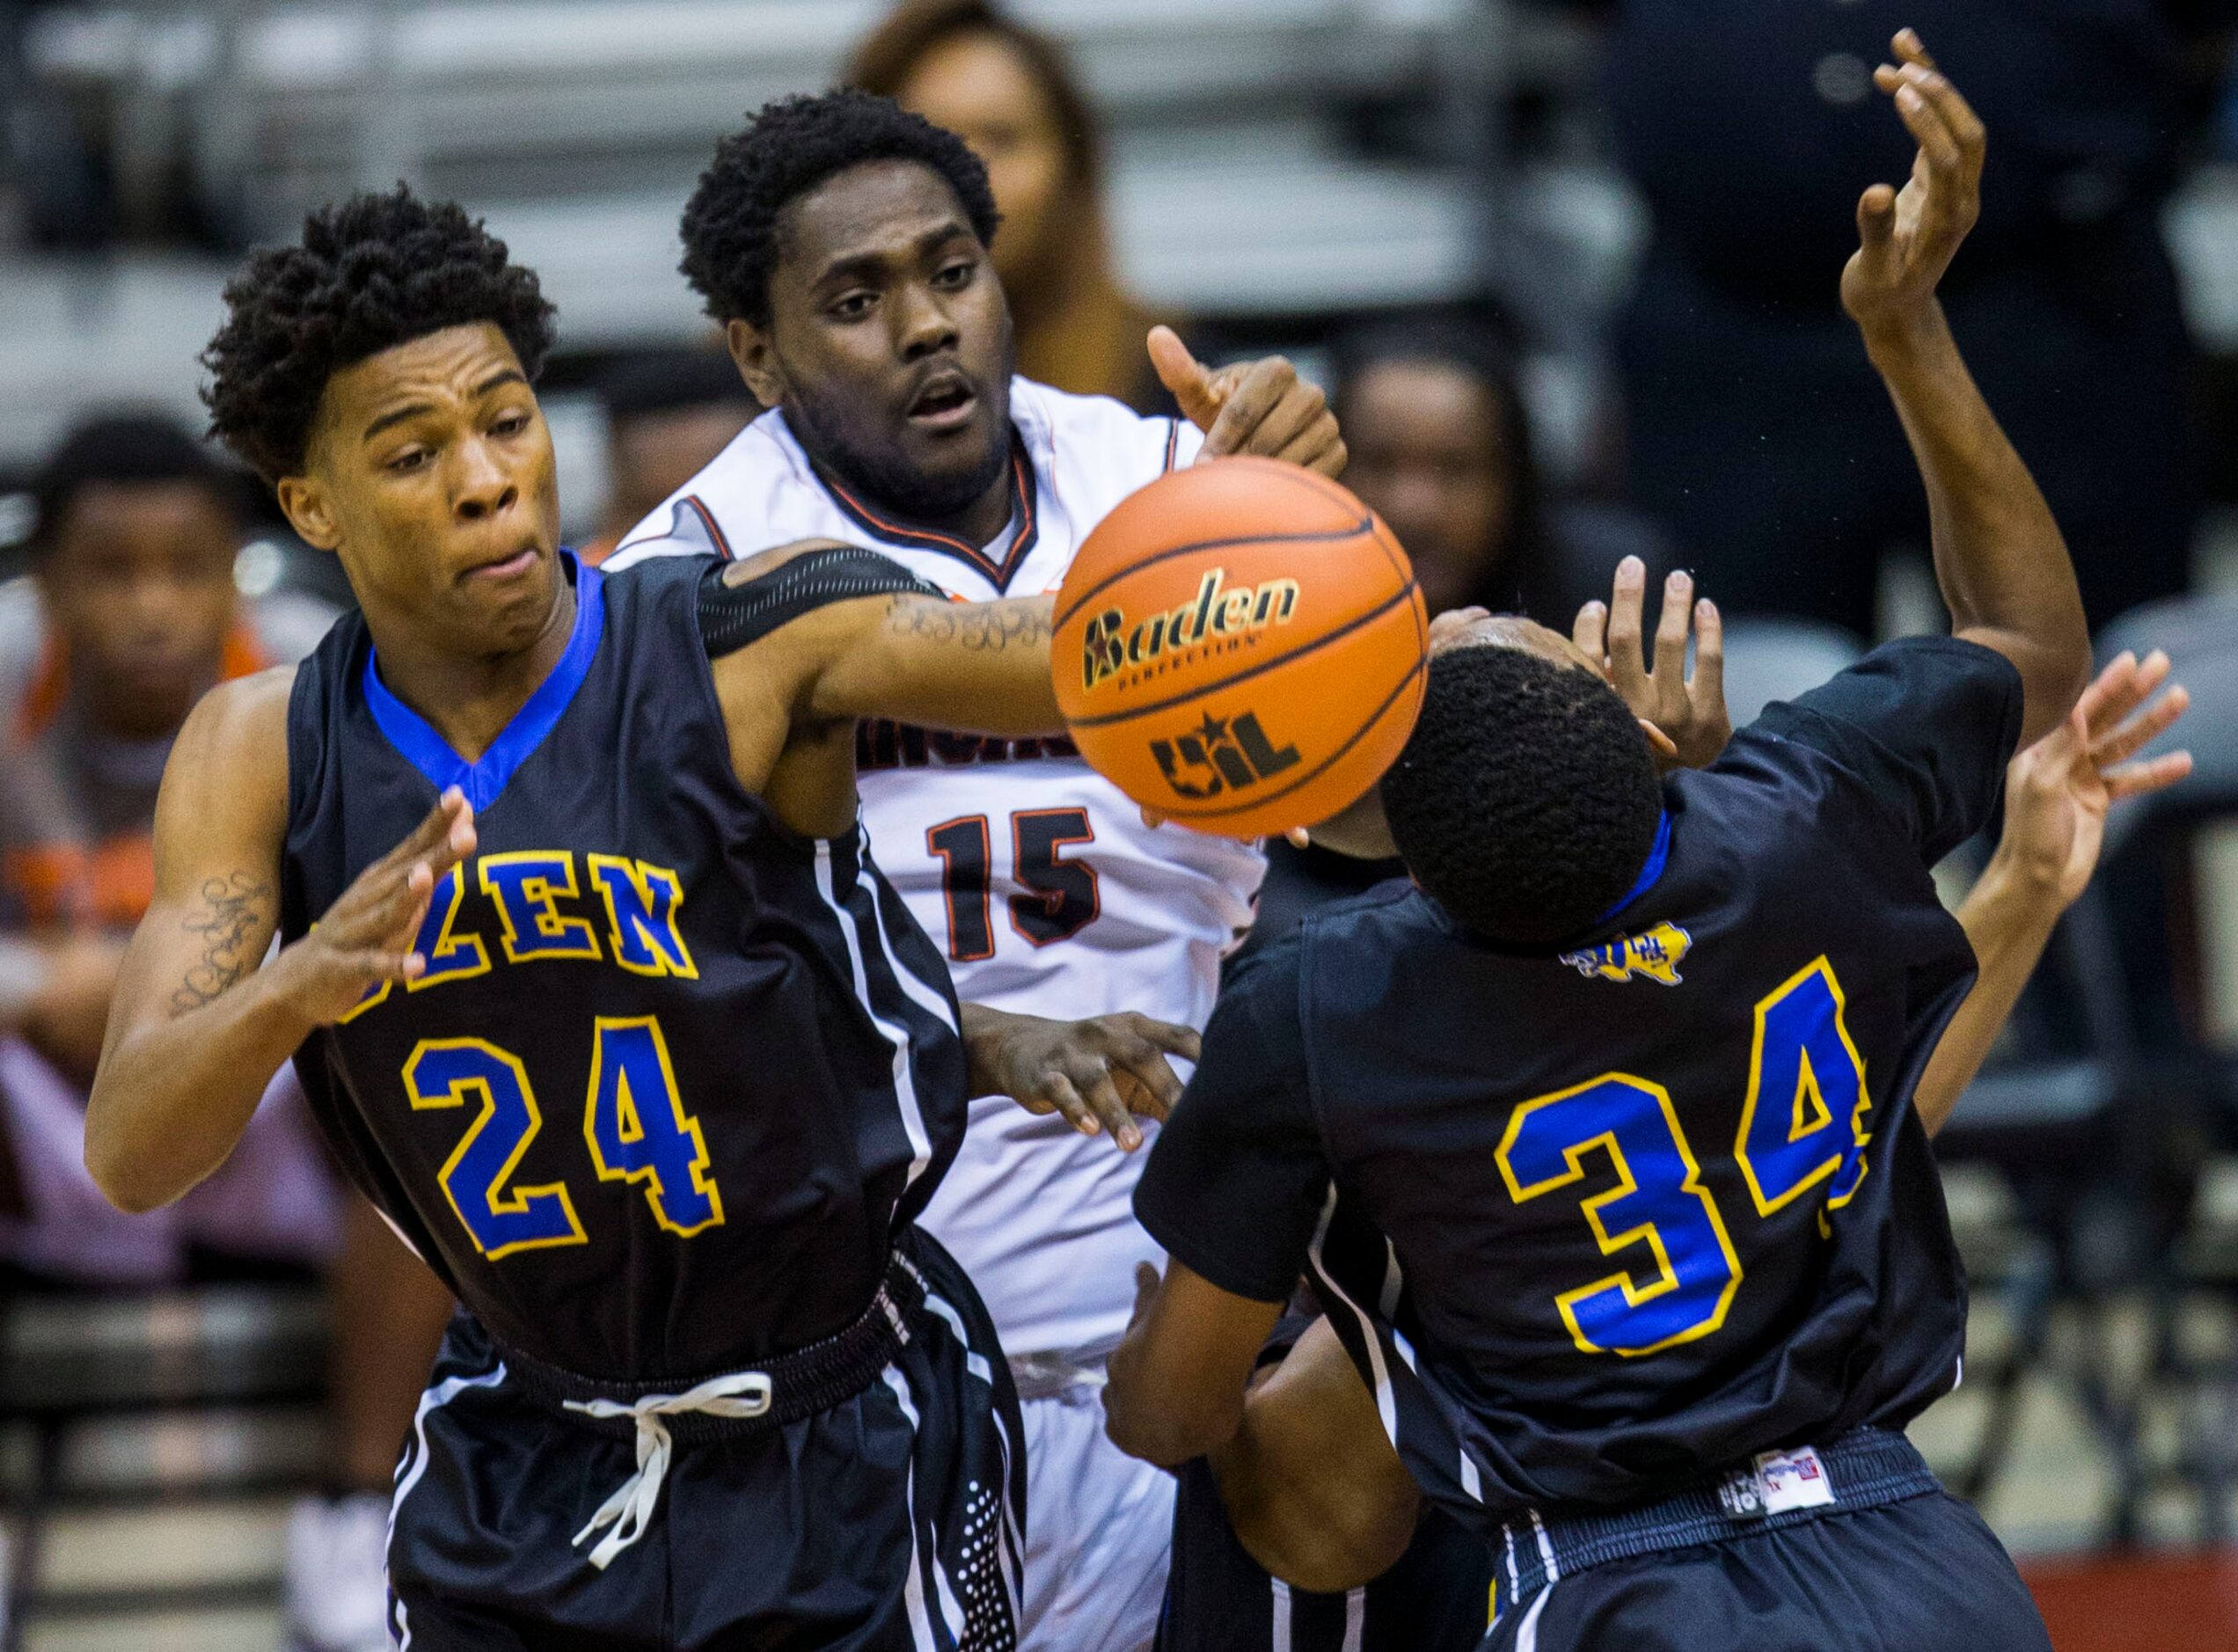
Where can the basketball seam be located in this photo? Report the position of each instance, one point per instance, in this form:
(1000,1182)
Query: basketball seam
(1311,775)
(1109,719)
(1366,524)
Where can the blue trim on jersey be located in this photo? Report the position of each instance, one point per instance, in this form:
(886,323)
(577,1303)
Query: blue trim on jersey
(418,744)
(1656,857)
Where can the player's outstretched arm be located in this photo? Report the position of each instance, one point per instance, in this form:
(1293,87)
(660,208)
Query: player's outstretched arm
(1999,555)
(197,1028)
(1101,1073)
(979,667)
(2057,793)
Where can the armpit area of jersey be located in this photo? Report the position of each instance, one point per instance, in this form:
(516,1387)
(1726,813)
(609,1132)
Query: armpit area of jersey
(733,616)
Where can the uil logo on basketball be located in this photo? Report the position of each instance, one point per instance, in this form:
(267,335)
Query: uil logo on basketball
(1221,755)
(1654,954)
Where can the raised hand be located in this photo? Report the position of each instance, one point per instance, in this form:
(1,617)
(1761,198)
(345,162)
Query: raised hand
(1261,407)
(2057,791)
(1908,236)
(1688,709)
(366,937)
(1100,1074)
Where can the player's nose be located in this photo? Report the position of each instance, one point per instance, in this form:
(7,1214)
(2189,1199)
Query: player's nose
(926,327)
(484,488)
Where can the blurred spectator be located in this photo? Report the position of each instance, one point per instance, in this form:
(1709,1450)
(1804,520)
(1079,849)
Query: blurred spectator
(1009,92)
(668,413)
(130,615)
(1759,436)
(1441,446)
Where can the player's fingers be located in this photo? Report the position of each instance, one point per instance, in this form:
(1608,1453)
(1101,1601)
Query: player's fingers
(1055,1093)
(1589,632)
(1876,217)
(2143,729)
(2134,779)
(1170,1036)
(1909,48)
(434,826)
(1956,114)
(1289,426)
(1709,681)
(1262,384)
(1321,448)
(1946,164)
(1105,1105)
(1670,667)
(1626,670)
(2112,695)
(1183,375)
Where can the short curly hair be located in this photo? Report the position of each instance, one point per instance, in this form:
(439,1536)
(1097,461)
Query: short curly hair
(790,147)
(1527,800)
(372,273)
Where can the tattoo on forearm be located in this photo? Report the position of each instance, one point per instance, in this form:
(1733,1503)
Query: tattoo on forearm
(229,910)
(988,628)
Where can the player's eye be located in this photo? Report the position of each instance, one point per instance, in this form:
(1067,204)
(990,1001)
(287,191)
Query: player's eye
(955,274)
(510,424)
(853,306)
(409,459)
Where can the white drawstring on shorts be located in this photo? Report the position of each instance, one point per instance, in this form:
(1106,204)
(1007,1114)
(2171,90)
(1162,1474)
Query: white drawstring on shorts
(630,1509)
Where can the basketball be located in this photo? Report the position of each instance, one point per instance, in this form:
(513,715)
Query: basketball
(1240,647)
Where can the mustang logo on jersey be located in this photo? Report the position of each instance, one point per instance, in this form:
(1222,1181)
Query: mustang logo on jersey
(1215,615)
(1655,955)
(1220,754)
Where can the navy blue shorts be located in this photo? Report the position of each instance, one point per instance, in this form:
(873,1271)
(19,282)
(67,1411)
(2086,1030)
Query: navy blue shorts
(892,1522)
(1437,1598)
(1924,1575)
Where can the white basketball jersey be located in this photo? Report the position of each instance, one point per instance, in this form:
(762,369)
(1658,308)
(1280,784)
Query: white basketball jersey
(1034,873)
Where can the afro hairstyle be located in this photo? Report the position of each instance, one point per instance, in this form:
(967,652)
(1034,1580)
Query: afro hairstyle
(370,274)
(1526,801)
(731,225)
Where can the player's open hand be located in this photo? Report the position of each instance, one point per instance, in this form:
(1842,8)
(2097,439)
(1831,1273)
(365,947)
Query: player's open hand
(1908,236)
(367,937)
(1100,1074)
(1261,407)
(2057,791)
(1688,709)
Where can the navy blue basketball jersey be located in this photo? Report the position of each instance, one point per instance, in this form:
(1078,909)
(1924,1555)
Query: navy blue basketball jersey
(1594,1222)
(674,1074)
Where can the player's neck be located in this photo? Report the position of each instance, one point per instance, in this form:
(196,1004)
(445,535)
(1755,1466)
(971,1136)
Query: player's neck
(469,699)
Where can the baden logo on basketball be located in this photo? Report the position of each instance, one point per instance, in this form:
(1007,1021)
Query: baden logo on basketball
(1216,615)
(1221,755)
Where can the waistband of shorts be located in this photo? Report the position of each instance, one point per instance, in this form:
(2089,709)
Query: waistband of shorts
(812,1379)
(1867,1468)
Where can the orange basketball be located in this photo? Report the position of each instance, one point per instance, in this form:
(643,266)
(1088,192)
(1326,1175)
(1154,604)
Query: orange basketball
(1240,647)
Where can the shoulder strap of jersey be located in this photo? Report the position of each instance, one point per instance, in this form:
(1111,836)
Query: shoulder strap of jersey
(733,616)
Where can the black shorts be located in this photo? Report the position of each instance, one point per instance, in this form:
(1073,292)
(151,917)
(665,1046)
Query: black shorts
(892,1522)
(1924,1575)
(1437,1598)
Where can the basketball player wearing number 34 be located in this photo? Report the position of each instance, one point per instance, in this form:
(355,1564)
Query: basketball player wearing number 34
(1603,1139)
(843,244)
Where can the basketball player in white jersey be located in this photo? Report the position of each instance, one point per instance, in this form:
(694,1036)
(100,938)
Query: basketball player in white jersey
(844,245)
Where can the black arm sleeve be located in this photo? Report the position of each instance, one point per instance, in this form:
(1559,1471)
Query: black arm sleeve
(1237,1179)
(1927,723)
(733,616)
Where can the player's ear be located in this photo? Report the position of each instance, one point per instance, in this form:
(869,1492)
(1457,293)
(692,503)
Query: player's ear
(757,359)
(309,510)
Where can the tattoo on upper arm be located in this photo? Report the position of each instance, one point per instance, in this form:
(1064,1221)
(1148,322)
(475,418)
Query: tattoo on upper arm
(982,627)
(227,913)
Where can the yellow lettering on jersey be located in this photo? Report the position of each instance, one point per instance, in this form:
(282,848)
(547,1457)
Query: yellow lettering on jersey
(637,1136)
(525,883)
(1818,1125)
(449,957)
(1655,955)
(445,1072)
(642,905)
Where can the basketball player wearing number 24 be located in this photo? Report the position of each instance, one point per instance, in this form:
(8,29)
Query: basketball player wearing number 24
(598,997)
(843,245)
(1597,1139)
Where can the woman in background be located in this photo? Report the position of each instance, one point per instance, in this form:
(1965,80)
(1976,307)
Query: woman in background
(1010,93)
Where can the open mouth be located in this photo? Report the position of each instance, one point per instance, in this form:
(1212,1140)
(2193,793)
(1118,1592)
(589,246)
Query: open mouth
(944,403)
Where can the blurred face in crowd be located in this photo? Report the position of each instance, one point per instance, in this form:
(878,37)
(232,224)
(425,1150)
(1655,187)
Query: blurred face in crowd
(649,456)
(978,86)
(137,578)
(889,344)
(431,474)
(1430,455)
